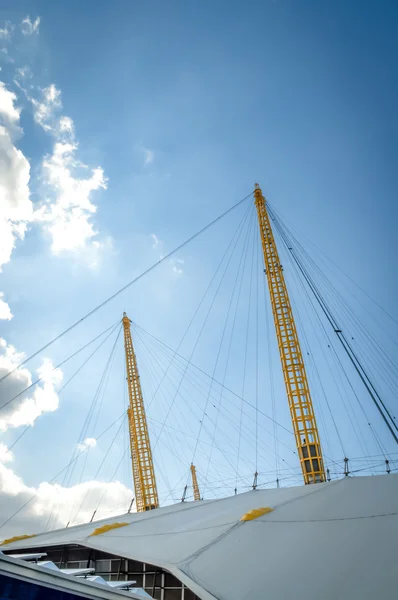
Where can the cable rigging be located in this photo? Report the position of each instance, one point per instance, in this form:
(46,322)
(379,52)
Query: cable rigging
(300,403)
(125,287)
(378,402)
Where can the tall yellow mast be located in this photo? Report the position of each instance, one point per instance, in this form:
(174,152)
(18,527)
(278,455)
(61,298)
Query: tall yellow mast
(195,485)
(298,393)
(146,494)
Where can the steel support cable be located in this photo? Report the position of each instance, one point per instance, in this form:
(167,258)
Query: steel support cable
(216,362)
(185,360)
(262,443)
(347,310)
(14,443)
(271,376)
(173,451)
(362,443)
(68,473)
(196,417)
(260,412)
(352,281)
(339,269)
(341,301)
(130,283)
(239,277)
(385,331)
(257,341)
(267,448)
(155,363)
(236,235)
(83,433)
(109,481)
(205,321)
(365,333)
(337,362)
(314,378)
(199,388)
(373,362)
(180,431)
(337,358)
(249,478)
(349,350)
(158,469)
(203,392)
(101,395)
(96,474)
(32,385)
(346,345)
(91,410)
(315,329)
(177,486)
(104,387)
(371,343)
(379,443)
(267,306)
(58,474)
(154,360)
(127,464)
(245,354)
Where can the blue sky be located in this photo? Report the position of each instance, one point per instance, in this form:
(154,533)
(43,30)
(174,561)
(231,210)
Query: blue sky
(180,107)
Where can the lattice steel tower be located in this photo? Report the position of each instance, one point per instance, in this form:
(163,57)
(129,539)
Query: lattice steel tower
(146,494)
(298,393)
(195,485)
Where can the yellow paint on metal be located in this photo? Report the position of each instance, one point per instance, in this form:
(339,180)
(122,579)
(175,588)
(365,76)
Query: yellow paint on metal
(146,494)
(296,382)
(16,538)
(256,512)
(108,527)
(195,485)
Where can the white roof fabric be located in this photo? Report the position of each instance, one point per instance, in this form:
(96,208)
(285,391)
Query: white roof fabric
(335,541)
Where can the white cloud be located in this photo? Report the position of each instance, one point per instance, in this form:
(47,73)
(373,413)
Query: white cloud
(6,31)
(22,73)
(68,210)
(16,209)
(5,454)
(177,268)
(149,156)
(29,27)
(66,125)
(156,241)
(89,442)
(28,406)
(5,311)
(9,113)
(45,109)
(175,263)
(55,502)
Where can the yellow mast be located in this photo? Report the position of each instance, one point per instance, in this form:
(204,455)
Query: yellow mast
(298,393)
(146,494)
(196,493)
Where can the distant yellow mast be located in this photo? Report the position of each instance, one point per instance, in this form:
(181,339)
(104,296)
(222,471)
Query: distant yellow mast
(196,492)
(146,494)
(298,393)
